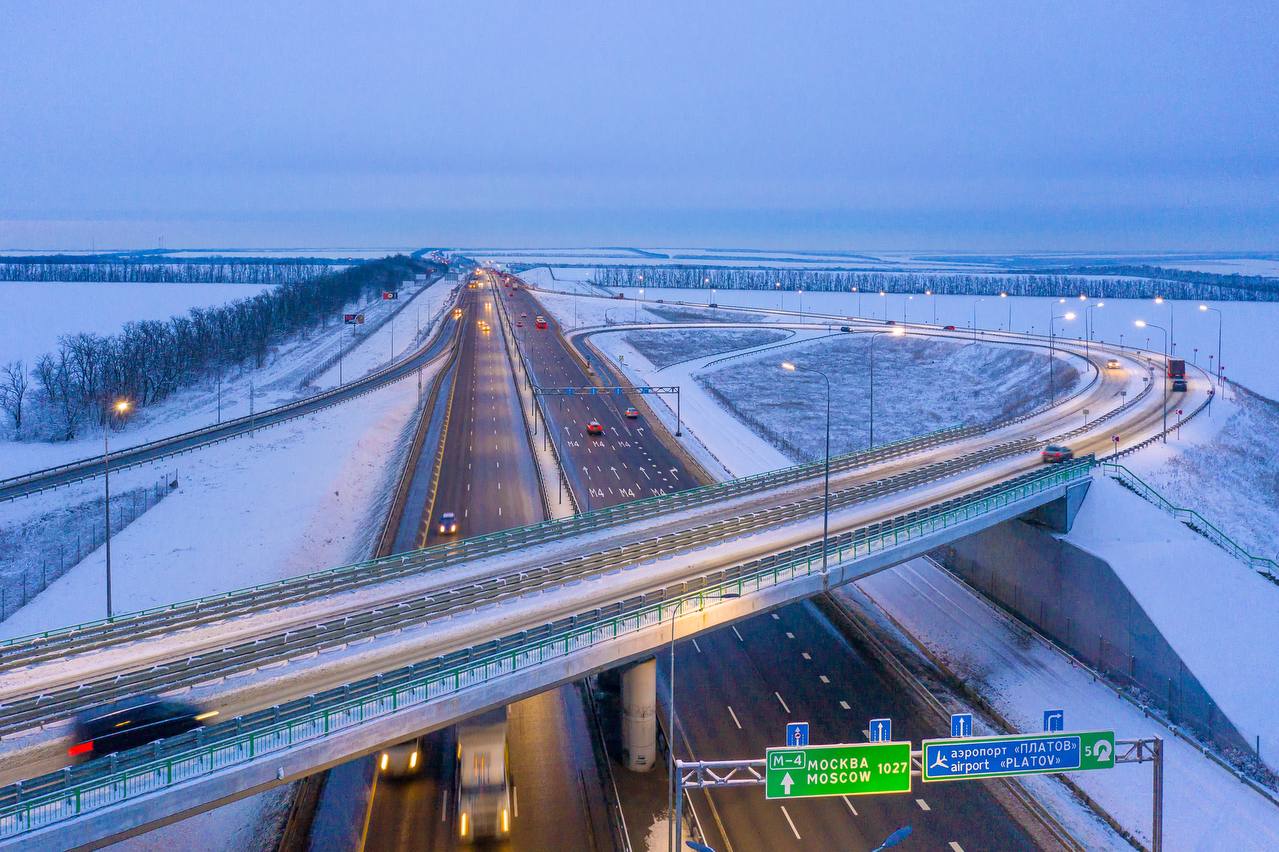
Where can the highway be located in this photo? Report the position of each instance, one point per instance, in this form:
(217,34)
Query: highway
(513,567)
(488,480)
(30,483)
(737,688)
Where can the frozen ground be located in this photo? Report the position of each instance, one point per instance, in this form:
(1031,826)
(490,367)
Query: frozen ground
(249,825)
(1204,807)
(289,374)
(38,314)
(921,386)
(663,348)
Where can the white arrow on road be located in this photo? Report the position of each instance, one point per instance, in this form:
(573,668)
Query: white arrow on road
(787,783)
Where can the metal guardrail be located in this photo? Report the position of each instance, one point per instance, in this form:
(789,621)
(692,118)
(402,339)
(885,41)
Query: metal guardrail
(1191,518)
(42,810)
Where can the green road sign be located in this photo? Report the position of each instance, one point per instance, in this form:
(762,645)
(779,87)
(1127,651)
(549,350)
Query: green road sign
(859,769)
(1019,754)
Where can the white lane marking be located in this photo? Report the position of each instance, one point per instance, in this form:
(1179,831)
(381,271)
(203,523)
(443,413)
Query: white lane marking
(923,806)
(849,802)
(806,655)
(738,635)
(955,847)
(698,647)
(790,635)
(734,715)
(783,703)
(792,823)
(499,511)
(515,802)
(866,733)
(824,679)
(775,617)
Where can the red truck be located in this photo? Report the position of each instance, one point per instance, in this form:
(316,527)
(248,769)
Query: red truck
(1177,372)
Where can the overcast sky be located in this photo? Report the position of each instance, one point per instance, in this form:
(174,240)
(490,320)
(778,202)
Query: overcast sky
(940,125)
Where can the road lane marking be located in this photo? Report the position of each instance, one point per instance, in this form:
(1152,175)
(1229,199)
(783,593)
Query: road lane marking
(955,847)
(738,635)
(783,703)
(849,802)
(806,655)
(923,806)
(793,829)
(790,635)
(866,733)
(734,715)
(776,617)
(698,647)
(823,678)
(444,811)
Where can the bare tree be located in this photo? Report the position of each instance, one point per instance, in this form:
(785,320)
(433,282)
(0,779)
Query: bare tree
(13,390)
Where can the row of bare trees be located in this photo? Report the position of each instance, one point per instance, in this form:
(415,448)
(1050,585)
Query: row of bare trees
(1145,283)
(148,360)
(172,272)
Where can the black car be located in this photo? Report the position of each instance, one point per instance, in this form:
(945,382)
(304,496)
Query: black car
(132,722)
(1179,385)
(845,328)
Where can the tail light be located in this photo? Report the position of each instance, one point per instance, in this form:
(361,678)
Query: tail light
(79,749)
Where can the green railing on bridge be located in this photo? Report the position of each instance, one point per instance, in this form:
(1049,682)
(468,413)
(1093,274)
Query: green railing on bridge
(81,797)
(1191,518)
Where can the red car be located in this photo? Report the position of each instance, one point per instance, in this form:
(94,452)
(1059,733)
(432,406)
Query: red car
(632,412)
(541,322)
(519,323)
(1054,453)
(948,328)
(594,428)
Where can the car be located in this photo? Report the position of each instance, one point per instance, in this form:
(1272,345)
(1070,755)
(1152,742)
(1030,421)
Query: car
(1179,385)
(401,759)
(1057,453)
(1112,364)
(519,323)
(523,316)
(713,305)
(632,412)
(133,722)
(947,328)
(594,428)
(447,524)
(890,322)
(540,322)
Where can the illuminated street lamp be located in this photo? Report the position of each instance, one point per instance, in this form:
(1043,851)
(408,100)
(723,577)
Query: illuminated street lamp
(1220,317)
(791,367)
(1088,324)
(1052,389)
(119,408)
(896,332)
(1144,324)
(1010,311)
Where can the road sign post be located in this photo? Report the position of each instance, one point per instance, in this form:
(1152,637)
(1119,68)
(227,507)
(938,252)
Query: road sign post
(857,769)
(1019,754)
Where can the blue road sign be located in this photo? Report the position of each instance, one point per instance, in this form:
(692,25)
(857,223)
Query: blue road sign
(645,390)
(881,730)
(594,391)
(1054,720)
(961,724)
(1019,754)
(797,733)
(569,391)
(617,391)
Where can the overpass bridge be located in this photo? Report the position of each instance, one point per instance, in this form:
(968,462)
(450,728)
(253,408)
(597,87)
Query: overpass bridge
(312,669)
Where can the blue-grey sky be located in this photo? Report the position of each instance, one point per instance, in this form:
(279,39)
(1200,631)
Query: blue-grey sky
(1007,126)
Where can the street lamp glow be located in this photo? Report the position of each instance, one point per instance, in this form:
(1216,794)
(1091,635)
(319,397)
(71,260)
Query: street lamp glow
(787,365)
(1159,300)
(1003,295)
(898,331)
(121,406)
(1203,307)
(1082,297)
(1070,315)
(1140,323)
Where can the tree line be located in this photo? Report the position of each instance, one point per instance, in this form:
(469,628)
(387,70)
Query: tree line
(272,273)
(1153,281)
(148,360)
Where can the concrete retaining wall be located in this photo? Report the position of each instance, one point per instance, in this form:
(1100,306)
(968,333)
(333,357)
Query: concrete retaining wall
(1077,600)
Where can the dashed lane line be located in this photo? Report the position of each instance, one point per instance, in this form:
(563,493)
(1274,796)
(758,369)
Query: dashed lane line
(849,802)
(791,822)
(783,703)
(734,715)
(738,635)
(923,806)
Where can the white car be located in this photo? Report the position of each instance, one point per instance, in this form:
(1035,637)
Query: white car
(401,759)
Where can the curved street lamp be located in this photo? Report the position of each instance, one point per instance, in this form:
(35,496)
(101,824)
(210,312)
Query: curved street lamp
(1052,389)
(1144,324)
(119,408)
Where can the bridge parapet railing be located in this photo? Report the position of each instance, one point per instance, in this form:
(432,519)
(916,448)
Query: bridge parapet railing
(1191,518)
(91,794)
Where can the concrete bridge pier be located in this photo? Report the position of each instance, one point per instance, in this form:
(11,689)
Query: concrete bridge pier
(639,716)
(1059,515)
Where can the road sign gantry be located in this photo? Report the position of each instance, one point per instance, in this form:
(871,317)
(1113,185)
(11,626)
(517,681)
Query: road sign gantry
(1019,754)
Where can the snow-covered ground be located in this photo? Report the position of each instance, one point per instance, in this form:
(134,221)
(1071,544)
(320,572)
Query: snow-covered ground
(38,314)
(1204,806)
(287,376)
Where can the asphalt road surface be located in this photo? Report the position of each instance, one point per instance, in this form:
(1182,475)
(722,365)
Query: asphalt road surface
(792,665)
(489,481)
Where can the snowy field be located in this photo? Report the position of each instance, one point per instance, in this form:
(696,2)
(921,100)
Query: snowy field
(39,313)
(921,386)
(290,374)
(663,348)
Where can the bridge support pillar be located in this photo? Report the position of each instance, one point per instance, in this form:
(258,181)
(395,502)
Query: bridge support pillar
(639,716)
(1059,515)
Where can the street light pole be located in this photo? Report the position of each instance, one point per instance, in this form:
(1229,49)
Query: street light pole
(1052,387)
(120,407)
(1144,324)
(1220,317)
(1004,295)
(787,365)
(871,347)
(674,833)
(1088,325)
(975,319)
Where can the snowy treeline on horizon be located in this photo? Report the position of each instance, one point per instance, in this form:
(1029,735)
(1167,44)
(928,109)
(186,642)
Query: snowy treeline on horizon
(1169,283)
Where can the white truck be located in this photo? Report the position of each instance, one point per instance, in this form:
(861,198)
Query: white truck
(483,778)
